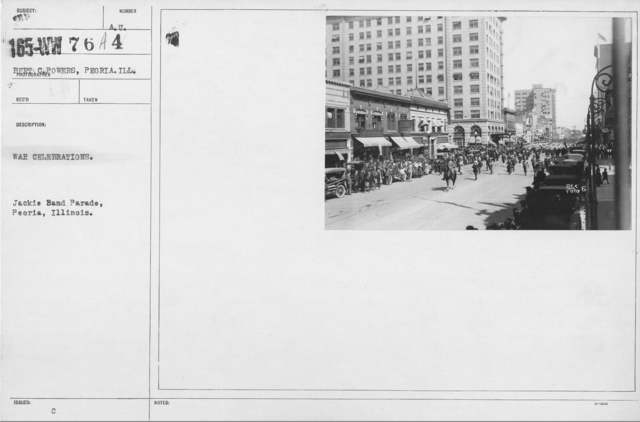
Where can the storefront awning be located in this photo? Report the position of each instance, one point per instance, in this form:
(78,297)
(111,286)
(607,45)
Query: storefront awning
(400,142)
(374,142)
(411,142)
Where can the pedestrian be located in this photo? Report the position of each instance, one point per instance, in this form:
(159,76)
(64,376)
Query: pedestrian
(348,180)
(524,167)
(410,170)
(490,166)
(605,176)
(598,177)
(475,169)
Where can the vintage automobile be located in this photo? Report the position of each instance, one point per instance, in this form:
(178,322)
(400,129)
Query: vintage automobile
(562,180)
(558,205)
(335,182)
(571,169)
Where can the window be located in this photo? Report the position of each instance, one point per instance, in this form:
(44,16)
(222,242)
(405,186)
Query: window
(410,67)
(362,86)
(379,81)
(368,47)
(457,115)
(421,79)
(368,35)
(390,32)
(350,25)
(457,64)
(368,71)
(428,79)
(440,52)
(362,71)
(389,21)
(336,50)
(457,51)
(457,76)
(409,80)
(457,25)
(368,22)
(475,101)
(368,59)
(361,59)
(335,38)
(379,58)
(420,42)
(398,31)
(361,24)
(420,29)
(429,91)
(390,68)
(361,47)
(440,78)
(457,38)
(440,65)
(474,75)
(350,49)
(473,23)
(379,33)
(427,41)
(440,90)
(474,63)
(457,102)
(351,72)
(409,44)
(428,66)
(390,81)
(409,55)
(408,18)
(397,19)
(391,121)
(361,35)
(336,26)
(421,54)
(352,83)
(408,30)
(390,45)
(457,89)
(398,56)
(420,67)
(473,36)
(335,118)
(427,28)
(390,57)
(439,27)
(475,114)
(440,40)
(369,83)
(419,18)
(398,80)
(398,45)
(379,22)
(351,60)
(428,54)
(336,73)
(398,68)
(336,61)
(473,49)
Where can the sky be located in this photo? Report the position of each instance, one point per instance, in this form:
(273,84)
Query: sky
(557,53)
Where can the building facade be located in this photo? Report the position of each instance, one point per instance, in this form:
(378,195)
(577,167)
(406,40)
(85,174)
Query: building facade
(456,60)
(540,101)
(338,146)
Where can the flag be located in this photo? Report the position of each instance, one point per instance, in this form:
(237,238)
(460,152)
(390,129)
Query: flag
(601,37)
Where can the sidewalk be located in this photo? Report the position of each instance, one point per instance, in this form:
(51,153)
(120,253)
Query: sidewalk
(606,196)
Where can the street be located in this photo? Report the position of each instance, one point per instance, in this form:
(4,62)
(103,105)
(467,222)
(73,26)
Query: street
(425,205)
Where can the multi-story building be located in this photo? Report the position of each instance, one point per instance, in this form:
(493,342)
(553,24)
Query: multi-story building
(456,60)
(337,122)
(538,100)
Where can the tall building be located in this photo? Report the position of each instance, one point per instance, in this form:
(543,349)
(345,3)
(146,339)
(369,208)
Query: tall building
(538,100)
(456,60)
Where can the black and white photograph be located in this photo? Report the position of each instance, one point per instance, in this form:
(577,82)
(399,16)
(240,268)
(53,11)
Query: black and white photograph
(478,122)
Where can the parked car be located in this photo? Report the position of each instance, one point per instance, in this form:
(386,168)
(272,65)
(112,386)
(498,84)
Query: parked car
(335,182)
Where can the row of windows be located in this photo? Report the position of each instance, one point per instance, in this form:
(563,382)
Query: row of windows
(457,51)
(458,115)
(457,64)
(458,102)
(396,19)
